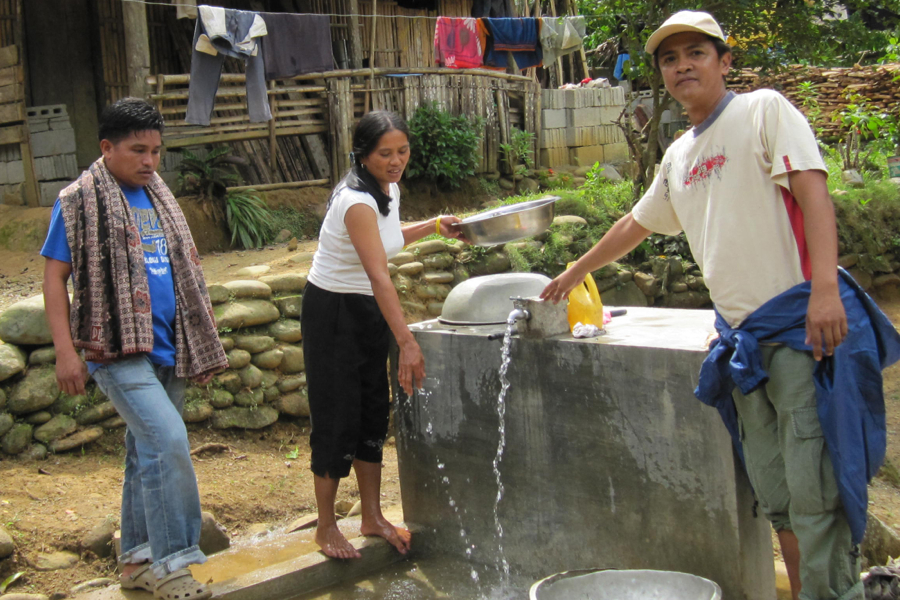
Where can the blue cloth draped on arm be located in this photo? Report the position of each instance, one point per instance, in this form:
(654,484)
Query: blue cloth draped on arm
(849,391)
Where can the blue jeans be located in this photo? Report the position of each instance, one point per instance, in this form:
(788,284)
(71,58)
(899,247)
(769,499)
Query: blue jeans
(160,501)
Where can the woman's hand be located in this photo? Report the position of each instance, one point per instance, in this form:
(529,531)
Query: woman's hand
(559,288)
(411,371)
(450,229)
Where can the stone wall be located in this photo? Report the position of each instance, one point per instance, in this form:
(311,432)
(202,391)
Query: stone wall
(259,324)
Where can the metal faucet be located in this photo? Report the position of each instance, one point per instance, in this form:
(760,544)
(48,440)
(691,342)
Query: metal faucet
(518,314)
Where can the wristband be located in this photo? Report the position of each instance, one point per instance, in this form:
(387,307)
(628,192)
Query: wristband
(437,226)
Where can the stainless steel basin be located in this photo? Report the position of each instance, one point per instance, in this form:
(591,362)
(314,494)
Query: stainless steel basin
(509,223)
(625,585)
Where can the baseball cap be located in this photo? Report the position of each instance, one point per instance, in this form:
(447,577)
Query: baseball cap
(685,20)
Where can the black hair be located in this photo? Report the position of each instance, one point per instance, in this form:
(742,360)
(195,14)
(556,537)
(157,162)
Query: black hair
(365,140)
(722,48)
(127,116)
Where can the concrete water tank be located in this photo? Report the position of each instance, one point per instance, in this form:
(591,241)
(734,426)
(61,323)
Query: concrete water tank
(610,461)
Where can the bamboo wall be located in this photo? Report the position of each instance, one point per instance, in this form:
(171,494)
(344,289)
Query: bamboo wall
(309,137)
(878,84)
(9,21)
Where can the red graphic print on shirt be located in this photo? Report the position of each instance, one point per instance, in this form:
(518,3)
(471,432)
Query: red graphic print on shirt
(704,168)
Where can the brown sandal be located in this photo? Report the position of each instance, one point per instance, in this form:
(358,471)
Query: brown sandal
(181,585)
(142,578)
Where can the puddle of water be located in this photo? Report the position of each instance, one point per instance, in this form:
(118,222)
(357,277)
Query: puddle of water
(426,579)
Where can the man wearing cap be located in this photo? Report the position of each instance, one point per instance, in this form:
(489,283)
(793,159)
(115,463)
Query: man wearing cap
(797,343)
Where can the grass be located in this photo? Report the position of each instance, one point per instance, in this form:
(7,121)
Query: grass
(301,224)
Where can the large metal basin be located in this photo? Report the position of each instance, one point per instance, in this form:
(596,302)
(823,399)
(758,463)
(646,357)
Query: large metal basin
(509,223)
(625,585)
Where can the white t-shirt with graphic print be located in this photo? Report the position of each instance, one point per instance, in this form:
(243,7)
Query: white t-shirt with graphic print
(725,184)
(336,266)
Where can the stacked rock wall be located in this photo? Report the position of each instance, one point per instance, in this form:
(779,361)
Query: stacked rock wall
(259,325)
(578,127)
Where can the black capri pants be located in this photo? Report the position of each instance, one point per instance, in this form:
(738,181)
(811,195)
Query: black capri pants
(345,348)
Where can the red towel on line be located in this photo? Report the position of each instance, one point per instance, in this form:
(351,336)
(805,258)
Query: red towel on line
(459,43)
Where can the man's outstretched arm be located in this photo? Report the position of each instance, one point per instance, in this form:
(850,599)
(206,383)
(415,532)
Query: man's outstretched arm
(622,238)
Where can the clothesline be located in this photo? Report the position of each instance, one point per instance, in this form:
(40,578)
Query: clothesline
(175,5)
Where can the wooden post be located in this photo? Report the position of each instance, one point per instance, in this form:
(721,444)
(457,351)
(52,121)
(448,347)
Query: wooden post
(137,47)
(356,49)
(560,73)
(370,95)
(273,141)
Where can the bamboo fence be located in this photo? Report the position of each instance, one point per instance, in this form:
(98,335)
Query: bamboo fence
(830,90)
(320,111)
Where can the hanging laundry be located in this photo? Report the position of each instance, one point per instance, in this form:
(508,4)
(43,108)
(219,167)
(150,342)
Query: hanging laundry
(459,42)
(490,8)
(296,44)
(519,36)
(222,32)
(418,4)
(186,9)
(561,36)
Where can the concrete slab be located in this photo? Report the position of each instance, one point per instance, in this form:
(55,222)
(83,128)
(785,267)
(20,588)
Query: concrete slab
(279,566)
(609,460)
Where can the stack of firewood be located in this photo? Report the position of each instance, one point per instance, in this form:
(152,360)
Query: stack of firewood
(830,90)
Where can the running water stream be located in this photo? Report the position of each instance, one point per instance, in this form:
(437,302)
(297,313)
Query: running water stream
(501,444)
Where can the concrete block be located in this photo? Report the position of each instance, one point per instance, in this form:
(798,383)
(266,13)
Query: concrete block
(38,126)
(47,112)
(57,124)
(618,95)
(3,174)
(554,157)
(616,153)
(648,497)
(553,99)
(586,155)
(10,152)
(50,191)
(11,195)
(609,114)
(63,166)
(580,98)
(553,138)
(582,117)
(15,172)
(553,118)
(48,143)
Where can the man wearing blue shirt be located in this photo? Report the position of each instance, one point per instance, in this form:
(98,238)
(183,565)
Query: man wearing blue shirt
(141,317)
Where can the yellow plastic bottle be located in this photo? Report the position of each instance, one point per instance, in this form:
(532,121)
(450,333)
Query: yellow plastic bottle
(585,305)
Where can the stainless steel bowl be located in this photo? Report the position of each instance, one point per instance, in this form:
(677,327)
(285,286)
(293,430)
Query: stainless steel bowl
(509,223)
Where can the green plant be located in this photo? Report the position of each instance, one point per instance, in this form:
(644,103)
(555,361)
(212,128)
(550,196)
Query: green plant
(861,122)
(208,177)
(443,147)
(518,154)
(293,454)
(248,218)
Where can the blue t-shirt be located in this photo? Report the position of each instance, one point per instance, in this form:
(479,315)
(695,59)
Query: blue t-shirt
(156,261)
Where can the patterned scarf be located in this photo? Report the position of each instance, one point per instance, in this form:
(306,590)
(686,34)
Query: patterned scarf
(110,314)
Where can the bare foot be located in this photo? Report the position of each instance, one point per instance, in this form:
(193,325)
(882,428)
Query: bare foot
(334,544)
(381,527)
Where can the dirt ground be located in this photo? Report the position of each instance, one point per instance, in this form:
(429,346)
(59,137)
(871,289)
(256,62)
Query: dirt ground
(49,506)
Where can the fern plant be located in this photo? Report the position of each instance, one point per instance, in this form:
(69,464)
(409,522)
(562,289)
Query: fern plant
(248,218)
(208,177)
